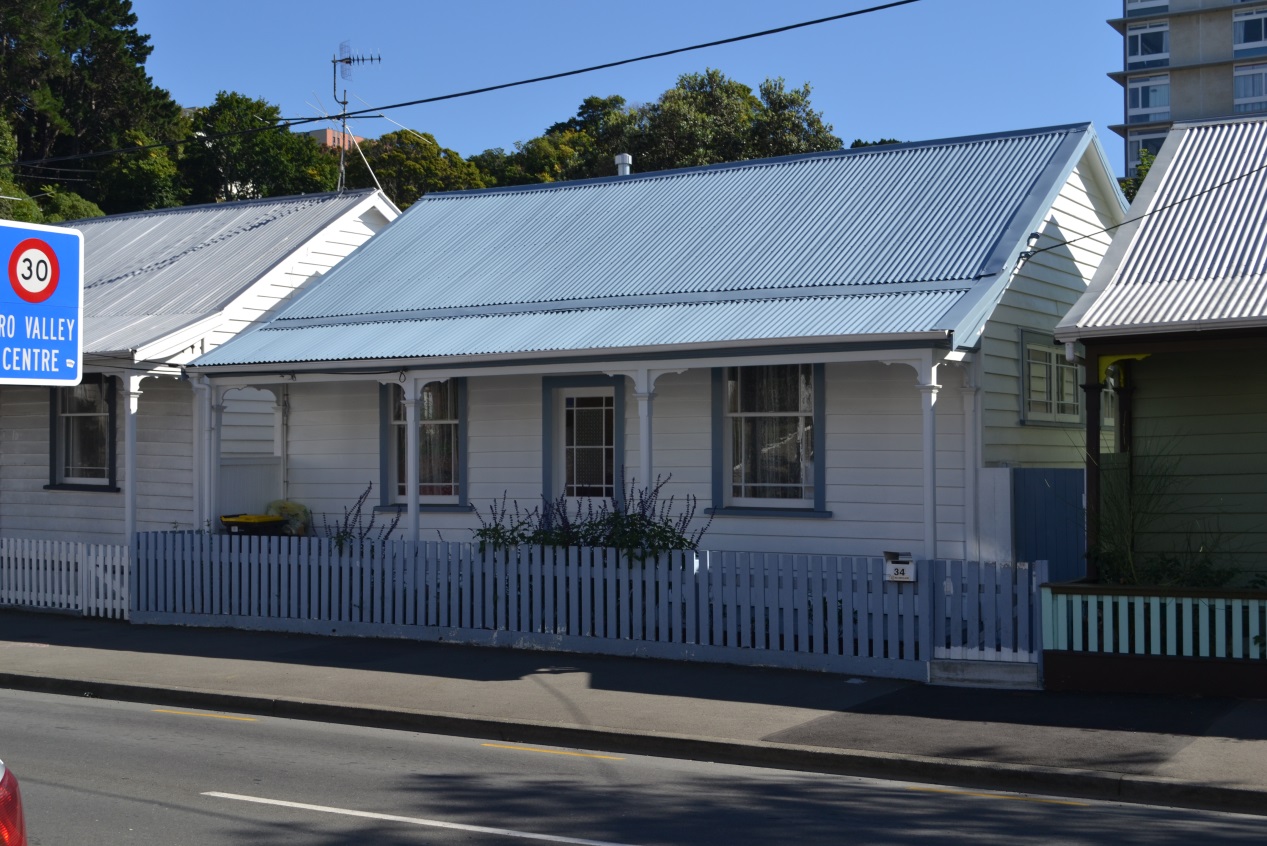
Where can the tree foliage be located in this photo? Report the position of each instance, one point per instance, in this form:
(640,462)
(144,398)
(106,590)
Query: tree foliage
(706,118)
(409,164)
(73,81)
(237,152)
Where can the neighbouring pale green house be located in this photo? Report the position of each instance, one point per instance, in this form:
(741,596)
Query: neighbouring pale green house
(1175,322)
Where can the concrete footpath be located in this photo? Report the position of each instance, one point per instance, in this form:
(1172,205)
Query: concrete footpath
(1187,752)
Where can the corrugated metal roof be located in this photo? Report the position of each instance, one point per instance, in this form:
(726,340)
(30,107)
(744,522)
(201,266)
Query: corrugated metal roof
(1197,257)
(927,218)
(629,327)
(149,274)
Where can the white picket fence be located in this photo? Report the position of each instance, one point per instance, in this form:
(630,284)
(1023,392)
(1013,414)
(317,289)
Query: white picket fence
(806,611)
(77,578)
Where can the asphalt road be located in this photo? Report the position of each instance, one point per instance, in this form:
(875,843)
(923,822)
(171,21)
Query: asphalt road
(107,772)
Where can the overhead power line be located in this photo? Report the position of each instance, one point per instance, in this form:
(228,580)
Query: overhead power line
(370,112)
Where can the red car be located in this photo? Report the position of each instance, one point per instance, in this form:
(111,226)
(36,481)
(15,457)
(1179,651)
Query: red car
(12,823)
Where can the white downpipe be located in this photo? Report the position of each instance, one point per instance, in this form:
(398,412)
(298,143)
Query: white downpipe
(928,400)
(281,437)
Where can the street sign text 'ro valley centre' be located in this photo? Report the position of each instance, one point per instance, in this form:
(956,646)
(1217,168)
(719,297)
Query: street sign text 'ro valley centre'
(41,304)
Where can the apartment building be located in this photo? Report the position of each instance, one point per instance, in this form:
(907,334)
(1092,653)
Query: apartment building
(1188,60)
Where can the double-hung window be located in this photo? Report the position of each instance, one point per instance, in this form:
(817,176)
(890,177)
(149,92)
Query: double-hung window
(1249,88)
(1249,33)
(1148,45)
(441,452)
(83,434)
(1051,393)
(770,443)
(1148,98)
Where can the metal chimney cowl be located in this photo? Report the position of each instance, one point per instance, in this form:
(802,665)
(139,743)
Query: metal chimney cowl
(624,164)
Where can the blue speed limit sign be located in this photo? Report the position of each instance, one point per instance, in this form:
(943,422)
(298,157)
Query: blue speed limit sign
(41,333)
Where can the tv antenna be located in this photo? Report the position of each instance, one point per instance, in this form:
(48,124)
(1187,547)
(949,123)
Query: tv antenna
(341,66)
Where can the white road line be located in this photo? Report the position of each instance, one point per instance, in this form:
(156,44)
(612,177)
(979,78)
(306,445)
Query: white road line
(479,829)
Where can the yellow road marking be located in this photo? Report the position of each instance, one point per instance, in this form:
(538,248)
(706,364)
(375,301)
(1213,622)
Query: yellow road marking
(551,751)
(1000,796)
(212,716)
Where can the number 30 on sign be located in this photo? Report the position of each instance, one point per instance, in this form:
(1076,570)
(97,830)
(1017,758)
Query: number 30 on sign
(33,270)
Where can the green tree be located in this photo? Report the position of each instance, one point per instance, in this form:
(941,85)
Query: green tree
(409,164)
(73,81)
(59,206)
(785,124)
(15,203)
(1131,184)
(706,118)
(239,150)
(145,179)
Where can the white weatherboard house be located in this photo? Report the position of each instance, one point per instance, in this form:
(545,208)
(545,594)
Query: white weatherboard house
(116,454)
(841,352)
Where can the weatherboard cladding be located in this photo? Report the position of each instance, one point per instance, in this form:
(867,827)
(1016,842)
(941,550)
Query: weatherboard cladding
(1200,256)
(149,274)
(786,235)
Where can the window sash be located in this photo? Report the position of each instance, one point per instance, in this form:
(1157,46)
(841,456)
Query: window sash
(1148,45)
(1249,88)
(1051,386)
(1148,99)
(439,476)
(82,447)
(1249,33)
(770,435)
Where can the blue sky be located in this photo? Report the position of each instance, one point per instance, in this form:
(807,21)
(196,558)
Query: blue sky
(931,69)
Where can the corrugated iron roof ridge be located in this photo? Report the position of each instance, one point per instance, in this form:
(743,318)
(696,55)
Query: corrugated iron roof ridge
(197,207)
(875,150)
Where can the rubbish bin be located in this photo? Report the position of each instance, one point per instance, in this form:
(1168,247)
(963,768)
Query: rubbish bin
(253,524)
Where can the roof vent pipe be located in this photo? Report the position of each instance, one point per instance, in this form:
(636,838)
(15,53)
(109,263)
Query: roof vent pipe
(624,163)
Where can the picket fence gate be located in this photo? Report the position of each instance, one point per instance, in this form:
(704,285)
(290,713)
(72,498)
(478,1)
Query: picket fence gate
(84,578)
(789,610)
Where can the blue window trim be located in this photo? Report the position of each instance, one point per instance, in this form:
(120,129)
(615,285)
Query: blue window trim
(551,384)
(721,462)
(54,441)
(387,485)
